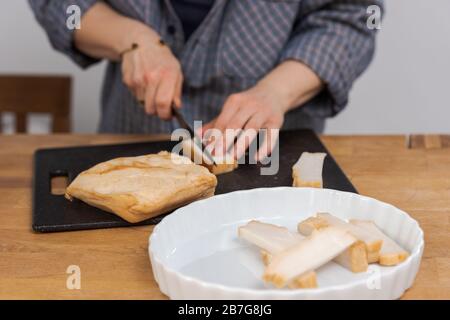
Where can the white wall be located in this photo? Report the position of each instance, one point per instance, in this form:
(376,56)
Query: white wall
(407,87)
(25,49)
(405,90)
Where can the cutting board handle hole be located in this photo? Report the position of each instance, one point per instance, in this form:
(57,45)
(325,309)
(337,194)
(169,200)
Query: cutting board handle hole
(58,183)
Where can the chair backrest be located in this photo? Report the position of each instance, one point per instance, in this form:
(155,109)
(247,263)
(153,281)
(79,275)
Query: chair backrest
(24,94)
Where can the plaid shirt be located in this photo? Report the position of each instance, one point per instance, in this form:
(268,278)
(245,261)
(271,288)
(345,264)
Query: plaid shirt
(238,43)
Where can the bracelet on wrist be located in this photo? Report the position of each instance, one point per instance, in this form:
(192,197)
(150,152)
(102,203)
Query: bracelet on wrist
(135,46)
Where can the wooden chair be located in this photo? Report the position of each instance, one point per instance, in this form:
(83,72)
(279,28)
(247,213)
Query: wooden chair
(24,94)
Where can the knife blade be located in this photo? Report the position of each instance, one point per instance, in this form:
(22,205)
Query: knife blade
(195,138)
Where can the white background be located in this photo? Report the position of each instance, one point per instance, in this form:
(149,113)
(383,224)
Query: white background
(405,90)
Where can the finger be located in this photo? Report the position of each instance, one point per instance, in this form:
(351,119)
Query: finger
(225,140)
(238,123)
(230,108)
(249,134)
(270,140)
(209,148)
(140,93)
(164,96)
(127,80)
(139,84)
(202,131)
(244,141)
(178,91)
(127,73)
(150,91)
(209,135)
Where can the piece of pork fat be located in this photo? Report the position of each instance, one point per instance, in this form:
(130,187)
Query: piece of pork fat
(269,237)
(309,225)
(372,242)
(307,171)
(354,258)
(224,164)
(306,280)
(391,253)
(272,240)
(313,252)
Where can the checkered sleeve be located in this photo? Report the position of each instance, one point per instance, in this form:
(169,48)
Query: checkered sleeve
(333,39)
(52,15)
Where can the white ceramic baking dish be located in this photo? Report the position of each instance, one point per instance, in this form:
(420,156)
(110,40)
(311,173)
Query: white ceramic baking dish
(196,254)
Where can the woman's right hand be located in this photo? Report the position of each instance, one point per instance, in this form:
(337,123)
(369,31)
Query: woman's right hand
(154,76)
(151,71)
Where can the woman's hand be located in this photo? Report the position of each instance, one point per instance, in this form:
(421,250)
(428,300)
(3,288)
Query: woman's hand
(286,87)
(154,76)
(246,113)
(151,71)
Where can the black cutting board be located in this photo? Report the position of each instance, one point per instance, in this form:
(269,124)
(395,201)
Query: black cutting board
(52,213)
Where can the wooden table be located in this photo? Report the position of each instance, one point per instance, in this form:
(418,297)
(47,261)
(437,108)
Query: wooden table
(412,173)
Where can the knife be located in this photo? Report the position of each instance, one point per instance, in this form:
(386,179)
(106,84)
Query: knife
(197,140)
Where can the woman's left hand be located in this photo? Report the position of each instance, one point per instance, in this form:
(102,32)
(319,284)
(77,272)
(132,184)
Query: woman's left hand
(289,85)
(246,113)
